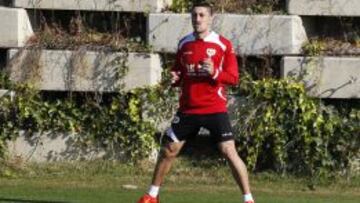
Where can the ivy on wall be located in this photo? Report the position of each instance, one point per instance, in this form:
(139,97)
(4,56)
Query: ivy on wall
(125,120)
(278,127)
(281,128)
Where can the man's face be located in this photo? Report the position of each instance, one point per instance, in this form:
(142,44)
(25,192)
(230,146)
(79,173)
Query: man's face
(201,19)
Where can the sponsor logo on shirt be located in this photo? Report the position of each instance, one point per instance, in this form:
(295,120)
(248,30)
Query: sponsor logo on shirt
(210,52)
(196,70)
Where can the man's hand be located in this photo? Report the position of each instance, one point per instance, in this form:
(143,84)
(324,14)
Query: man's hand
(208,66)
(175,76)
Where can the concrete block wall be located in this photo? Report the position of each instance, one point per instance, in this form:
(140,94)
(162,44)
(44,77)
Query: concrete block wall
(49,147)
(325,77)
(65,70)
(324,7)
(252,35)
(98,5)
(15,27)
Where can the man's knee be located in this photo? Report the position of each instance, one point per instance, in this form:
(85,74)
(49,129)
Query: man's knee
(171,150)
(228,149)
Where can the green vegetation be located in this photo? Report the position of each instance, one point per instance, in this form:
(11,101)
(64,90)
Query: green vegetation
(278,127)
(313,47)
(281,128)
(116,122)
(331,47)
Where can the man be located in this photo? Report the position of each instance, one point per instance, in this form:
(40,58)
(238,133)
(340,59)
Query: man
(205,64)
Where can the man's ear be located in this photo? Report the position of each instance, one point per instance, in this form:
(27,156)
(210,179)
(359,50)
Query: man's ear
(211,19)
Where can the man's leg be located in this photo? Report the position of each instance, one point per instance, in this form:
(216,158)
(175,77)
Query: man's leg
(237,166)
(220,127)
(167,156)
(164,163)
(182,127)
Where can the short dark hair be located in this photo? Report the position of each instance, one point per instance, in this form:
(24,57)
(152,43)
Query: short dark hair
(203,4)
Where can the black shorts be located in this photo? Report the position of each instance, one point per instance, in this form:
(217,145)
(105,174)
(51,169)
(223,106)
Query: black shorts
(186,126)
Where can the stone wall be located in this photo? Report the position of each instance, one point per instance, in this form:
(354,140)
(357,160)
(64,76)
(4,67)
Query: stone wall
(252,35)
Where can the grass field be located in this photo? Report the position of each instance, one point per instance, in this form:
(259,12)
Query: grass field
(104,183)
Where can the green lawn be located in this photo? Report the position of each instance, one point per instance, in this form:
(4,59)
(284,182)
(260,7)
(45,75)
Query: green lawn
(103,183)
(31,191)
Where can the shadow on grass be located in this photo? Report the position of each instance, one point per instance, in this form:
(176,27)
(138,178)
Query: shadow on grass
(14,200)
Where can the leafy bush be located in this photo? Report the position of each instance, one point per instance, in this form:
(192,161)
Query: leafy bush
(125,120)
(280,127)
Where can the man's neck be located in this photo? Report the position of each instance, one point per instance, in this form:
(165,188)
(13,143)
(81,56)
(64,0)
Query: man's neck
(202,35)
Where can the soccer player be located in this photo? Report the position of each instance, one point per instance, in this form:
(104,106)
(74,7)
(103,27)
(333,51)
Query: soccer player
(205,65)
